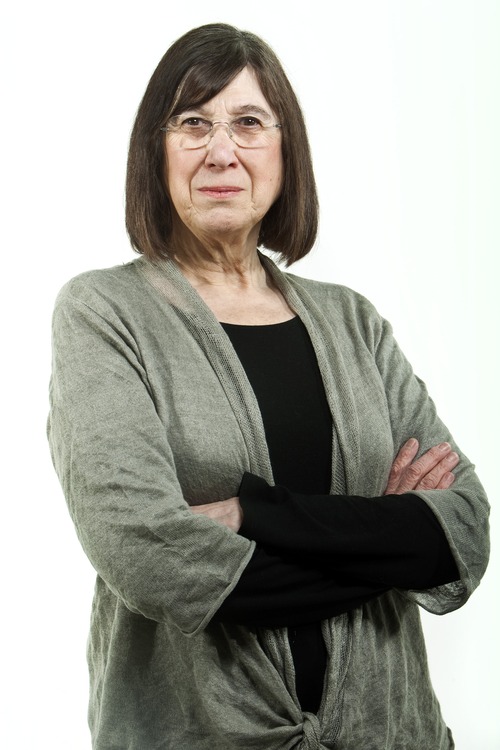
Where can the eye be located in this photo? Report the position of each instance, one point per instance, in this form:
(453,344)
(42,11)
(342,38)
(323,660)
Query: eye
(192,124)
(248,123)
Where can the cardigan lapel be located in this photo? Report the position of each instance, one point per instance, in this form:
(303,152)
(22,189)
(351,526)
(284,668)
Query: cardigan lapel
(167,279)
(339,394)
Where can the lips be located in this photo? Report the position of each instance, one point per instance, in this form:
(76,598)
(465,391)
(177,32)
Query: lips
(220,191)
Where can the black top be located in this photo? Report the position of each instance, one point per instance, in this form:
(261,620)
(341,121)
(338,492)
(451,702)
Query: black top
(317,555)
(281,365)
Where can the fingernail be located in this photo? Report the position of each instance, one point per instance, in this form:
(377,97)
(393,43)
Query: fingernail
(444,447)
(412,443)
(452,457)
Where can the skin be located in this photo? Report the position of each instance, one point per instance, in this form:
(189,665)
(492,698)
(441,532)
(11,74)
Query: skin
(220,193)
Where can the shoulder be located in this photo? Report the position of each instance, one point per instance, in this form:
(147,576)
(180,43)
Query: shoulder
(340,305)
(336,294)
(102,287)
(332,297)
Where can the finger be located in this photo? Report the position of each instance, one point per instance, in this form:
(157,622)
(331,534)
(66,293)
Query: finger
(446,481)
(432,479)
(414,473)
(404,458)
(423,465)
(433,456)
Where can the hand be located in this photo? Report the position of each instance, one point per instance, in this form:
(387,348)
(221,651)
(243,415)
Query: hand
(432,471)
(226,512)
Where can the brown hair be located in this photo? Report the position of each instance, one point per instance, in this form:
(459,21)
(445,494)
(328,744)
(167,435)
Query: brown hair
(192,71)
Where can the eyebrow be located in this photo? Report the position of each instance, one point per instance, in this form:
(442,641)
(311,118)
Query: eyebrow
(241,109)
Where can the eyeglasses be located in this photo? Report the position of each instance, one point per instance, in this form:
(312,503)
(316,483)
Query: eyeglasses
(195,132)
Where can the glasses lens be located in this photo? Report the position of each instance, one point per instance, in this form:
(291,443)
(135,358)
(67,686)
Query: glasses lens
(193,132)
(246,132)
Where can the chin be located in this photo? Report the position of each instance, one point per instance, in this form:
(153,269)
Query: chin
(222,223)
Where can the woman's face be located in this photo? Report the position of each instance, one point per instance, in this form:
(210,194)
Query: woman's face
(221,190)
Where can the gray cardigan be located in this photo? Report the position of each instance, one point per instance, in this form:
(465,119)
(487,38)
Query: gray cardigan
(152,411)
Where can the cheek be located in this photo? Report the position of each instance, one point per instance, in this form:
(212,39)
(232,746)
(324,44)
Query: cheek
(279,183)
(177,176)
(276,181)
(178,190)
(277,170)
(167,168)
(268,175)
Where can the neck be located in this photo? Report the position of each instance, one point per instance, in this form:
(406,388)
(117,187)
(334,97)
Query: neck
(244,274)
(226,262)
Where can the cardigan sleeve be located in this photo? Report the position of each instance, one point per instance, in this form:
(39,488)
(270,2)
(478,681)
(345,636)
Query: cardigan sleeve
(111,452)
(462,510)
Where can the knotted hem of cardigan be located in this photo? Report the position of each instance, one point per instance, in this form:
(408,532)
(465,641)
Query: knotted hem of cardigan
(311,739)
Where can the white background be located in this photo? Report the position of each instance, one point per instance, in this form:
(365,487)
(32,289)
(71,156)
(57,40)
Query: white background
(402,103)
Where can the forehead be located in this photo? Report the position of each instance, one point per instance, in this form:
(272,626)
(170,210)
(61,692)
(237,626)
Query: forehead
(241,94)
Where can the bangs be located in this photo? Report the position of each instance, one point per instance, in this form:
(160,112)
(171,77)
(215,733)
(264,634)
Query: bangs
(208,67)
(201,83)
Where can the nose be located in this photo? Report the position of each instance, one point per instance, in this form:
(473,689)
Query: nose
(221,147)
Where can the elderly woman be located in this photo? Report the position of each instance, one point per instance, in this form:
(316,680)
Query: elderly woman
(259,479)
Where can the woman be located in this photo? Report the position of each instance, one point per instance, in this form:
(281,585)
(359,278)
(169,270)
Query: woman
(238,448)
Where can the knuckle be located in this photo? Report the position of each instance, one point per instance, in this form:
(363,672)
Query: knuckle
(396,469)
(413,472)
(428,483)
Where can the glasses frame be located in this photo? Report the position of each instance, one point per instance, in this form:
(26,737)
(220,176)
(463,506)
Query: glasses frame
(210,134)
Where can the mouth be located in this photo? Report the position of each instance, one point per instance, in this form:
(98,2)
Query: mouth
(220,191)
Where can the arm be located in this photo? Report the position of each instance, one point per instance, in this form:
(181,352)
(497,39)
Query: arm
(462,510)
(114,461)
(323,555)
(393,541)
(433,470)
(275,590)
